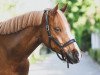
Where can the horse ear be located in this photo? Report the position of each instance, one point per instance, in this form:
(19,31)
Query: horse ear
(54,10)
(64,8)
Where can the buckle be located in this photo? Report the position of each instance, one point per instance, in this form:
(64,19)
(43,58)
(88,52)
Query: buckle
(47,27)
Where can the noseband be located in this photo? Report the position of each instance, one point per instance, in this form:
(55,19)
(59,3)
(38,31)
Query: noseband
(51,38)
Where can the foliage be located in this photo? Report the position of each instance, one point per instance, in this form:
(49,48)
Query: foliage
(7,6)
(95,54)
(33,59)
(83,18)
(7,9)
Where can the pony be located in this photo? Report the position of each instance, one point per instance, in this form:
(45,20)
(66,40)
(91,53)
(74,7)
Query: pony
(19,36)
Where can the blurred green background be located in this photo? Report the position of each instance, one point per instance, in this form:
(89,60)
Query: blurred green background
(84,18)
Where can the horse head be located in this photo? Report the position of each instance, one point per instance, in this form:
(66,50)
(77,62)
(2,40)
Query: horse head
(56,35)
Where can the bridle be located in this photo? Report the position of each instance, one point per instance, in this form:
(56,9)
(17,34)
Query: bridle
(51,38)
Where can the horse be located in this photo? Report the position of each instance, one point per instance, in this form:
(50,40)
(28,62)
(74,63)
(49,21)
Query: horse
(19,36)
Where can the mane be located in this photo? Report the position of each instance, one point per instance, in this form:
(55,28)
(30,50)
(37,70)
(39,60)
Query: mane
(20,22)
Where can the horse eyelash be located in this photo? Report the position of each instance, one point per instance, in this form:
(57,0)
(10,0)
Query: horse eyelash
(57,29)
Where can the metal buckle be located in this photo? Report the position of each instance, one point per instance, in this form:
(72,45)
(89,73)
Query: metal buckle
(47,27)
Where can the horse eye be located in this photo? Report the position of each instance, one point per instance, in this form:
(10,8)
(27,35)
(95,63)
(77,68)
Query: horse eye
(57,29)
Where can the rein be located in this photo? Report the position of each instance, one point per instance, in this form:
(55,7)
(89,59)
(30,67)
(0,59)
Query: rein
(51,38)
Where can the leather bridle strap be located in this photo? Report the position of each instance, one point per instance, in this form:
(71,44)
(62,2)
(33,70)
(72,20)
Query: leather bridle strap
(56,41)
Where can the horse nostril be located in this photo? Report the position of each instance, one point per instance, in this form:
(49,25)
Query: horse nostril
(75,52)
(73,57)
(76,55)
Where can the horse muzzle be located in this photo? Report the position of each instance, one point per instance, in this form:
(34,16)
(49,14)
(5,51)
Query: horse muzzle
(72,57)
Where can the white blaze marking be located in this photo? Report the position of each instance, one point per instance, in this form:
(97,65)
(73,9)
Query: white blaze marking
(68,32)
(79,51)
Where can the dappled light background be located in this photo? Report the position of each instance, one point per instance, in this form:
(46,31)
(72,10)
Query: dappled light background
(84,19)
(9,8)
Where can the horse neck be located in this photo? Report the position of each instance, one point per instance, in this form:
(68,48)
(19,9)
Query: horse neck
(31,40)
(22,43)
(27,39)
